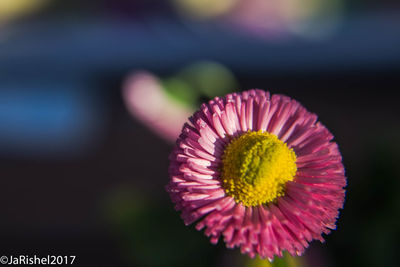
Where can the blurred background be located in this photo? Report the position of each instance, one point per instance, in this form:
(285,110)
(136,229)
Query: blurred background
(93,95)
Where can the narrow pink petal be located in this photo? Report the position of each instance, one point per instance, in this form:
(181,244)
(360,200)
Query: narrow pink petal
(249,113)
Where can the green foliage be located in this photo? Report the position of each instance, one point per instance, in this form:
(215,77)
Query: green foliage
(199,82)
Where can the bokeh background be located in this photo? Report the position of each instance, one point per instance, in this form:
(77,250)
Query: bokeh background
(92,95)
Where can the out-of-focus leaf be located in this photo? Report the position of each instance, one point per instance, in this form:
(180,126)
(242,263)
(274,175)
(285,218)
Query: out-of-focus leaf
(198,82)
(209,78)
(181,90)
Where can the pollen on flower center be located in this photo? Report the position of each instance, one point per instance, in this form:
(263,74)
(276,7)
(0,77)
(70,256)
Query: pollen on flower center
(256,167)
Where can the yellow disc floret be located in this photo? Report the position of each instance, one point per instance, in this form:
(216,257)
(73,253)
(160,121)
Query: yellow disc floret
(256,167)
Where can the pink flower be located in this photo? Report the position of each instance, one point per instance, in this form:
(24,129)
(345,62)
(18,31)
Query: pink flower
(258,171)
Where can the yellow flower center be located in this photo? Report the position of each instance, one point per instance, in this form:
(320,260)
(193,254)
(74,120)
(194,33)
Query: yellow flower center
(256,167)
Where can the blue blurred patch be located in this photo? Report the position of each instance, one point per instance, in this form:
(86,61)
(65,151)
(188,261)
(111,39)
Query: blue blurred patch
(47,121)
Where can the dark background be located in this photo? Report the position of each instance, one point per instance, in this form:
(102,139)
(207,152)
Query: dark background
(81,176)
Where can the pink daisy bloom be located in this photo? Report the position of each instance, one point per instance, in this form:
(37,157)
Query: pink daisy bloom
(258,171)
